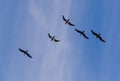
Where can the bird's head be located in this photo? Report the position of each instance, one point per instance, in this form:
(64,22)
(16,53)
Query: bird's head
(83,31)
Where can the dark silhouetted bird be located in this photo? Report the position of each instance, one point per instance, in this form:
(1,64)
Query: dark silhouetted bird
(25,52)
(53,38)
(98,36)
(67,21)
(81,33)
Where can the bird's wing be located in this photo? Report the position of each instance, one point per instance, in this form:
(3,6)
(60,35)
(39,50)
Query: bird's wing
(85,36)
(28,55)
(102,39)
(55,40)
(78,31)
(21,50)
(71,24)
(49,35)
(94,33)
(63,18)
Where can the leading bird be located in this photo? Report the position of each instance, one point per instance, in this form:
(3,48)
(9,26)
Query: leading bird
(25,52)
(98,36)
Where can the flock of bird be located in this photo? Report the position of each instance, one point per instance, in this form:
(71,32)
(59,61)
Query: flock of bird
(67,21)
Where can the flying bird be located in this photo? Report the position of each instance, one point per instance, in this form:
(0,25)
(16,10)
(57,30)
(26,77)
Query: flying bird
(67,21)
(98,36)
(53,38)
(81,33)
(25,52)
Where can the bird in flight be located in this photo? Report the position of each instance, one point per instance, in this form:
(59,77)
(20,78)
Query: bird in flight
(98,36)
(67,21)
(81,33)
(25,52)
(53,38)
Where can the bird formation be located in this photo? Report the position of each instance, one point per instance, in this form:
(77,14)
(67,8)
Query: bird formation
(83,32)
(67,21)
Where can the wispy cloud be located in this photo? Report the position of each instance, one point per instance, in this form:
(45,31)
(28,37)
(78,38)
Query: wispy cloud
(55,62)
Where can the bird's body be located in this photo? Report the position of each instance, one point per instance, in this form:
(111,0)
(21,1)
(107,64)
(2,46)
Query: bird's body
(67,21)
(82,33)
(53,38)
(25,52)
(98,36)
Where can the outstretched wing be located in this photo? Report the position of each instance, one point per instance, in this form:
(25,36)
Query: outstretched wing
(77,30)
(21,50)
(63,18)
(28,55)
(71,24)
(55,40)
(101,39)
(94,33)
(49,35)
(85,36)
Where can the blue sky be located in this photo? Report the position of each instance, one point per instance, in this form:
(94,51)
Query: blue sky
(26,23)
